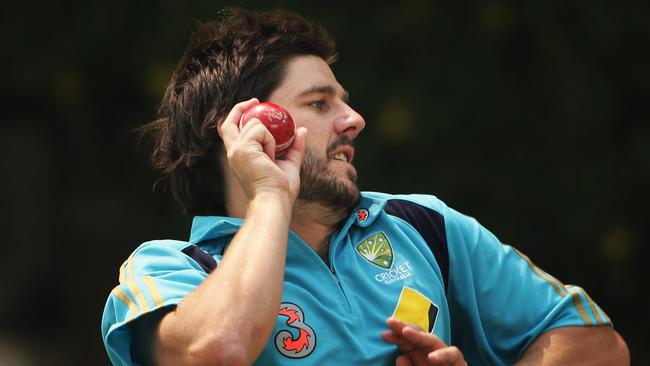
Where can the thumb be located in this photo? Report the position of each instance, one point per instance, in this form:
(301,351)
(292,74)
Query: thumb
(296,152)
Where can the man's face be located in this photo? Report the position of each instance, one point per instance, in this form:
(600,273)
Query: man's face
(318,102)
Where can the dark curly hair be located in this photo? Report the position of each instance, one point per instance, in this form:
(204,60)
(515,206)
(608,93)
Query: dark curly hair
(241,56)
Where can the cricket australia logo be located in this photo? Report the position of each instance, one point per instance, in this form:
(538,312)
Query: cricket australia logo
(377,250)
(301,340)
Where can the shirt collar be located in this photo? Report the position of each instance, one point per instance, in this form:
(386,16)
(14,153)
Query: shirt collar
(211,227)
(369,208)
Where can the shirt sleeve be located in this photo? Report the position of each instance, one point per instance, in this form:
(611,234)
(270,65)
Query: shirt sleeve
(155,278)
(500,302)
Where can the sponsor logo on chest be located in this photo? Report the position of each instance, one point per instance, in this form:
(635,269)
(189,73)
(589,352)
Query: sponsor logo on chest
(378,250)
(287,342)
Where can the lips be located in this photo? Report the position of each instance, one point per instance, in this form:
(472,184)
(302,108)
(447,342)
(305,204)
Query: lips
(342,153)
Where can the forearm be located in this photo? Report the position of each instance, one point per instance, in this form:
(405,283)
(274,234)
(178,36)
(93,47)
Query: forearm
(599,345)
(233,312)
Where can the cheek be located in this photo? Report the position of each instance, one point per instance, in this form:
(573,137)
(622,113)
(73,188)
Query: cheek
(315,126)
(316,140)
(315,149)
(320,132)
(316,154)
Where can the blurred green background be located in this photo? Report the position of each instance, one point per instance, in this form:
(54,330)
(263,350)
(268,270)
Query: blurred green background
(530,116)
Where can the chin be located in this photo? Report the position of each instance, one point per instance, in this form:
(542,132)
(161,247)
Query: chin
(331,184)
(347,172)
(334,192)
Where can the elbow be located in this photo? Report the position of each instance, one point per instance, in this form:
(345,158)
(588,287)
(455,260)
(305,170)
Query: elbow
(177,344)
(620,353)
(204,351)
(216,352)
(606,347)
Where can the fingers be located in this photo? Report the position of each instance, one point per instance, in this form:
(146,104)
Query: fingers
(391,337)
(402,344)
(256,131)
(414,334)
(395,325)
(419,347)
(403,361)
(421,338)
(228,128)
(229,131)
(448,355)
(418,344)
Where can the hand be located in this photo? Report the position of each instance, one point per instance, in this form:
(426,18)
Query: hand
(419,347)
(251,155)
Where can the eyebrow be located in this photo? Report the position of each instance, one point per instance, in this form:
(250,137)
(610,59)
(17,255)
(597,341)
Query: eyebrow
(325,89)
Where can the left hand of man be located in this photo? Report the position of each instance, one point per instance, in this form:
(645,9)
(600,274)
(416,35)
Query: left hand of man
(419,347)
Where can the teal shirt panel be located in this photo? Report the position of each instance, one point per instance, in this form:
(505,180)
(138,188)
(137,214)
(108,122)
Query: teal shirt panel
(495,305)
(499,301)
(157,275)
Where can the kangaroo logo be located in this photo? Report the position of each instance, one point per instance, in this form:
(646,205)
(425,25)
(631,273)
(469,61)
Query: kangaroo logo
(288,345)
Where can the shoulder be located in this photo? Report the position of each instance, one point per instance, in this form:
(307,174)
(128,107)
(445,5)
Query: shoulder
(170,255)
(159,247)
(152,251)
(421,218)
(414,207)
(419,210)
(411,200)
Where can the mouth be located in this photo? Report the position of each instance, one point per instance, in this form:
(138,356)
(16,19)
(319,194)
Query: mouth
(343,153)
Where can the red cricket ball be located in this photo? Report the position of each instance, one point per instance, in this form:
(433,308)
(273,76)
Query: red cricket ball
(276,119)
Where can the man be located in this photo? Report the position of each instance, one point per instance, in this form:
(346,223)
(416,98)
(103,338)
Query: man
(288,263)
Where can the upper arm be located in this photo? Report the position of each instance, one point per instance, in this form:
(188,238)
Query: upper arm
(598,345)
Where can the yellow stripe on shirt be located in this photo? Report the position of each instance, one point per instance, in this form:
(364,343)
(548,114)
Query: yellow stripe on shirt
(122,296)
(135,290)
(555,283)
(592,305)
(563,291)
(579,303)
(153,291)
(597,310)
(127,276)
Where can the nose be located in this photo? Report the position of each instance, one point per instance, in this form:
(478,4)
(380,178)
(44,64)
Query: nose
(350,122)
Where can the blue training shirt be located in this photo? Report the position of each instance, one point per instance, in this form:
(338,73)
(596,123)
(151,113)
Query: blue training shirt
(409,256)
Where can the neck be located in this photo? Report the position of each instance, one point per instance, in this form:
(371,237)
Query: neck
(314,224)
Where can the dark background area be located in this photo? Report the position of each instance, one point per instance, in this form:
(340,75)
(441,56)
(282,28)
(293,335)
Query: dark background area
(532,117)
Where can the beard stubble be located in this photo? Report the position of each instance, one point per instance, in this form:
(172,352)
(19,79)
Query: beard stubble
(319,185)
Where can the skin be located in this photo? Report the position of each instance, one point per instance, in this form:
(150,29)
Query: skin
(265,191)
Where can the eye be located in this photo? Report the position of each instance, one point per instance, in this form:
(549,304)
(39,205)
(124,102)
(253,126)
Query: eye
(318,104)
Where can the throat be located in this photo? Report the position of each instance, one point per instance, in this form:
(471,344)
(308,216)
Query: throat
(315,224)
(323,250)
